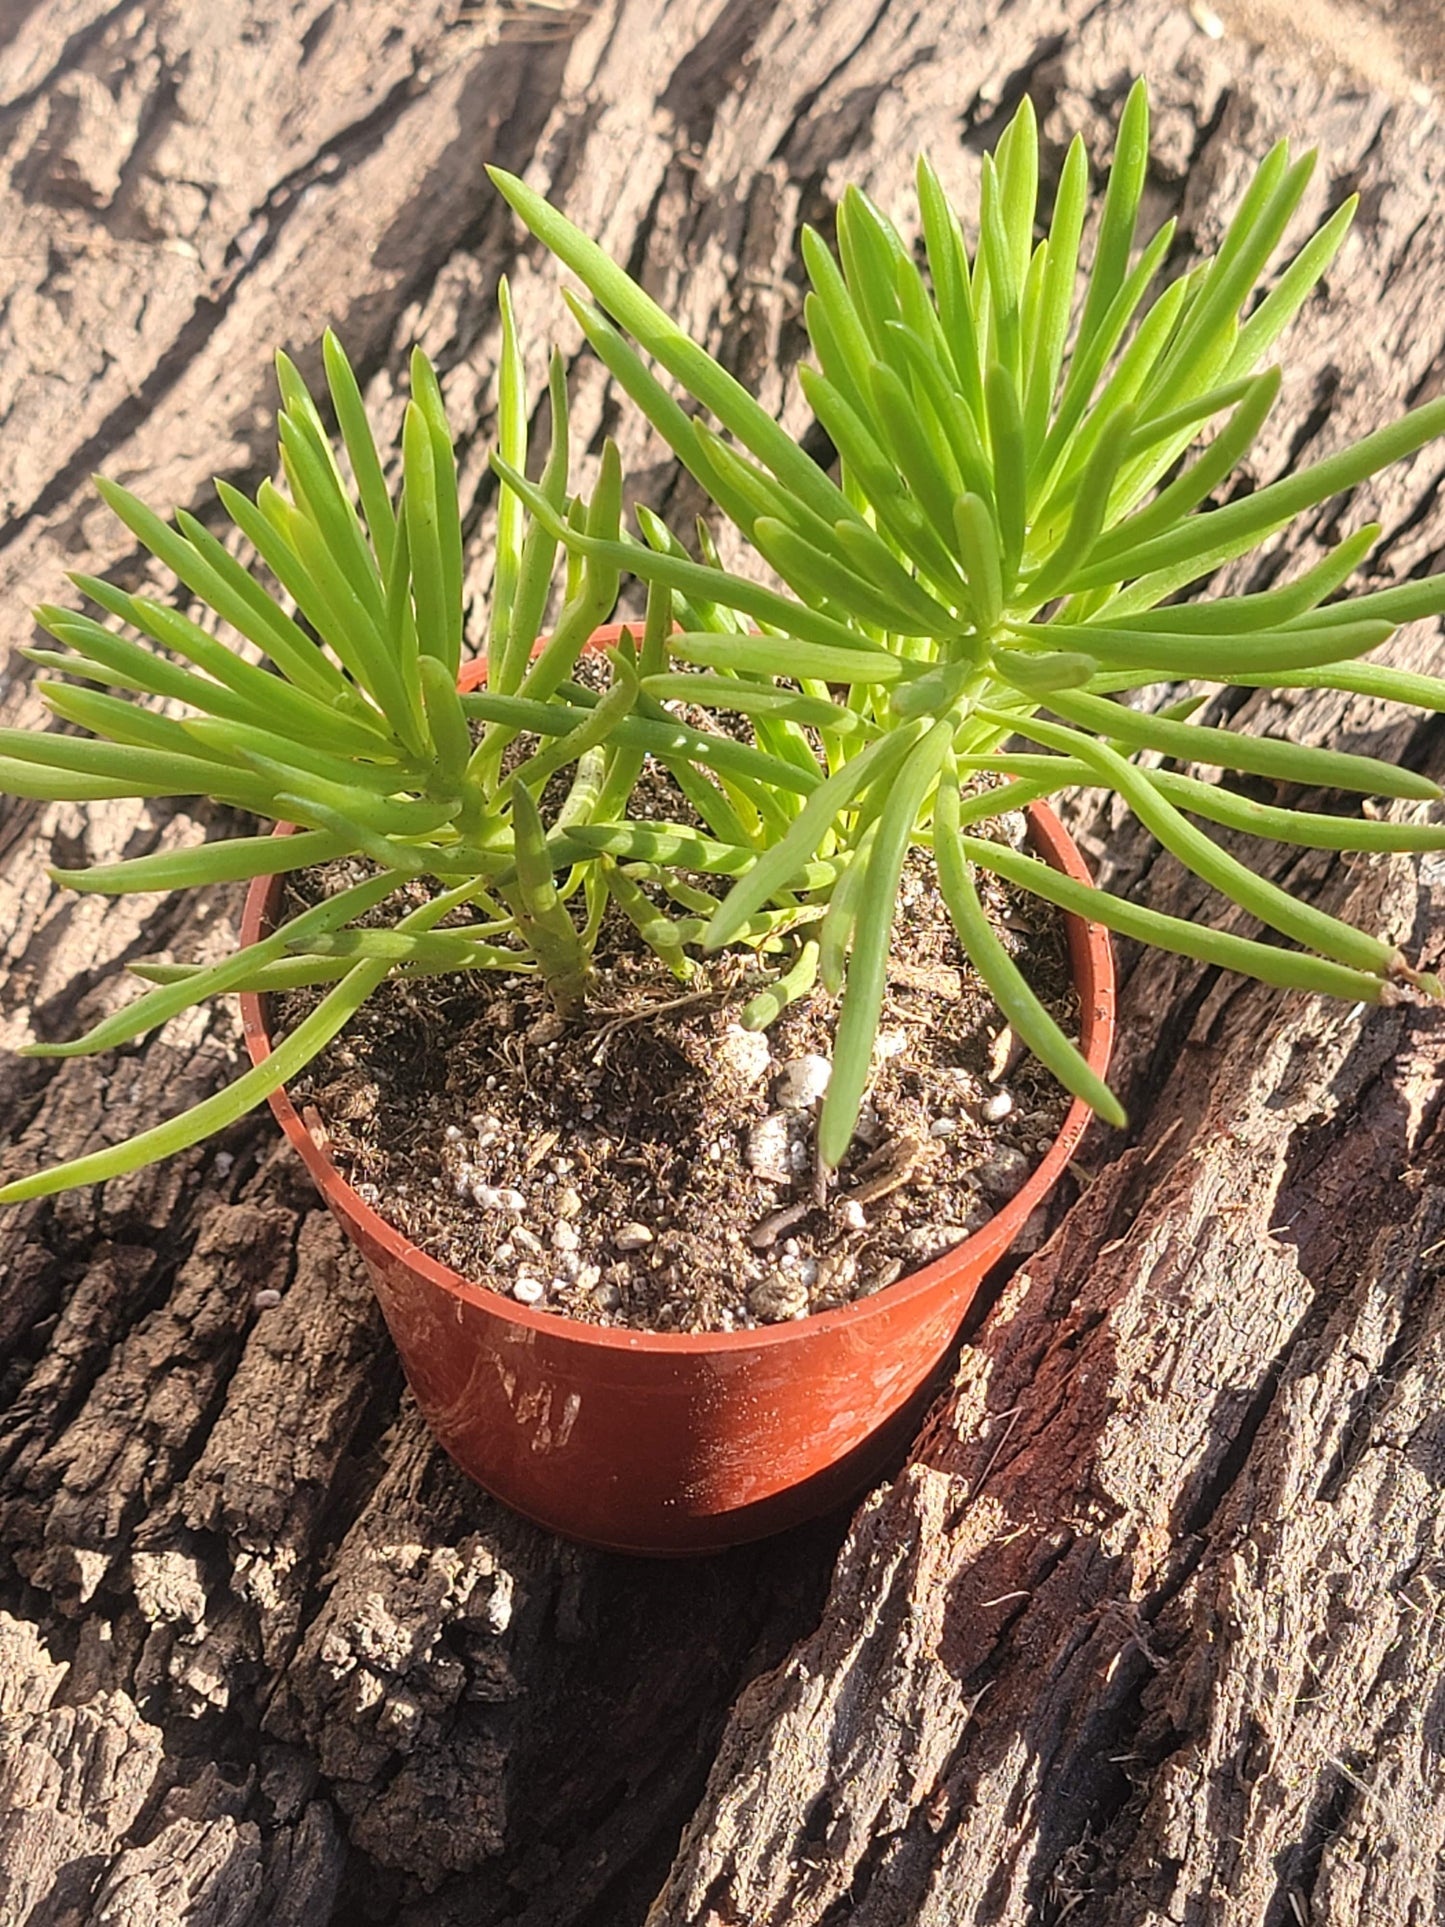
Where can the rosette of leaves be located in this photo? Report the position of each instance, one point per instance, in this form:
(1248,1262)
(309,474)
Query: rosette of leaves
(1024,496)
(339,713)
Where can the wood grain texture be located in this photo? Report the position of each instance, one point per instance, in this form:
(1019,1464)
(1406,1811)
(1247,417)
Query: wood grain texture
(1148,1630)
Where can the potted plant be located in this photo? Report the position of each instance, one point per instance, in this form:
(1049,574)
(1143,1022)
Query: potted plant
(1003,541)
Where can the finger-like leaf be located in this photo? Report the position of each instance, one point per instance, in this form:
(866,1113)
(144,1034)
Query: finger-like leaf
(1010,991)
(1261,898)
(1188,490)
(1203,540)
(729,401)
(235,859)
(894,420)
(869,251)
(868,964)
(726,692)
(779,867)
(361,448)
(160,1005)
(657,930)
(1229,749)
(1120,216)
(1287,969)
(1051,331)
(1284,301)
(794,984)
(542,918)
(1273,608)
(200,562)
(1252,237)
(874,474)
(1090,509)
(949,429)
(317,490)
(1090,355)
(1308,828)
(1219,658)
(290,1055)
(512,445)
(760,655)
(1363,678)
(948,265)
(142,772)
(842,914)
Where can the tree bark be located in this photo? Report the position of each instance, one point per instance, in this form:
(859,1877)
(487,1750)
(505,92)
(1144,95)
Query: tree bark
(1148,1628)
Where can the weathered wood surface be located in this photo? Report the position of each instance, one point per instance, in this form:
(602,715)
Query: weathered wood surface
(1149,1630)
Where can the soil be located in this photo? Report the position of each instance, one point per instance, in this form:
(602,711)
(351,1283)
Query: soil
(652,1164)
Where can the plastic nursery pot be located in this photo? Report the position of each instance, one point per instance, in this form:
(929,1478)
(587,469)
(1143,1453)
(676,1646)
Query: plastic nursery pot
(665,1443)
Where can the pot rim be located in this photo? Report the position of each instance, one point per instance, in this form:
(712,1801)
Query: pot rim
(1093,982)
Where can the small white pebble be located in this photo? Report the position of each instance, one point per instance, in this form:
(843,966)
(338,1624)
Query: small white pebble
(768,1147)
(564,1236)
(528,1290)
(800,1084)
(562,1166)
(492,1199)
(452,1134)
(889,1043)
(528,1240)
(1002,1053)
(504,1255)
(943,1127)
(223,1162)
(263,1300)
(746,1054)
(808,1271)
(779,1298)
(632,1237)
(568,1203)
(852,1215)
(998,1107)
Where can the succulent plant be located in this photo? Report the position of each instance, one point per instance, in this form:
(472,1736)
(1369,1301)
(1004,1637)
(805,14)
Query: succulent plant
(350,727)
(1029,456)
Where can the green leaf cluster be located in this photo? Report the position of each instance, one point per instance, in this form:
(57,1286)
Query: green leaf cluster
(335,707)
(1030,453)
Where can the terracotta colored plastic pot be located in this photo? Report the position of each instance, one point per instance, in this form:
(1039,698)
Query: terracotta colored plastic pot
(663,1443)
